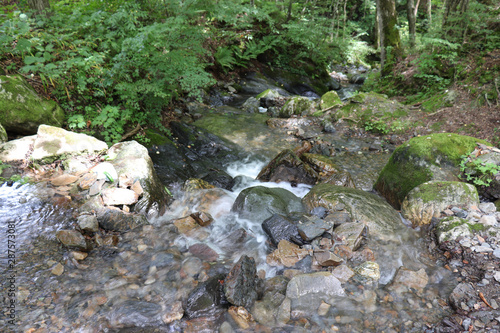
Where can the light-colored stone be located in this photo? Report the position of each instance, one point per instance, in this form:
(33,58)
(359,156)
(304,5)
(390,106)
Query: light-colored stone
(58,269)
(88,223)
(368,271)
(64,179)
(119,196)
(287,254)
(488,220)
(16,150)
(106,171)
(72,238)
(54,141)
(406,279)
(319,283)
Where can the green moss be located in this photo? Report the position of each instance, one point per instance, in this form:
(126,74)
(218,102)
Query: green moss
(476,227)
(411,163)
(155,138)
(329,100)
(436,102)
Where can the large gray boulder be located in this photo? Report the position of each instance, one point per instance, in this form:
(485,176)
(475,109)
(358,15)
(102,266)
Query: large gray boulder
(22,110)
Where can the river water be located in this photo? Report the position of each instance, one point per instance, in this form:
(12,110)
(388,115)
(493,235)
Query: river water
(144,278)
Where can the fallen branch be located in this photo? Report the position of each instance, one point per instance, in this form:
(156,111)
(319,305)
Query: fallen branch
(131,133)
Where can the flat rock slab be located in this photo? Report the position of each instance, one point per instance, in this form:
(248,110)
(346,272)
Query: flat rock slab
(64,179)
(16,150)
(119,196)
(54,141)
(320,283)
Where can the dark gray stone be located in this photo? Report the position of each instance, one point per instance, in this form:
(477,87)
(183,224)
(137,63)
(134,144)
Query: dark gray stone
(278,227)
(207,300)
(240,285)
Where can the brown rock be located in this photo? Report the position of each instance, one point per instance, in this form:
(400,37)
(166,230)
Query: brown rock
(87,181)
(72,238)
(287,254)
(241,316)
(202,218)
(186,225)
(64,179)
(57,269)
(327,258)
(137,188)
(204,252)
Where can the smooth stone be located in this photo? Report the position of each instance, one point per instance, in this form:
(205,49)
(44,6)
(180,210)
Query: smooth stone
(118,196)
(64,179)
(58,269)
(204,252)
(406,279)
(16,150)
(104,168)
(287,254)
(88,223)
(489,220)
(72,238)
(319,283)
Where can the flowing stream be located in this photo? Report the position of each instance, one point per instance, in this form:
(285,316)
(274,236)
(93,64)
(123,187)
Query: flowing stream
(142,279)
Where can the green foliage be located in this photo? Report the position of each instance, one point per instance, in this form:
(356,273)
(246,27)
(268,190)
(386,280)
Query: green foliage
(477,171)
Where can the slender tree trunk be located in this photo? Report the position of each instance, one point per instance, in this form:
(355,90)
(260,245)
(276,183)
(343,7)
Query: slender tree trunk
(289,11)
(39,6)
(452,25)
(429,14)
(389,33)
(411,13)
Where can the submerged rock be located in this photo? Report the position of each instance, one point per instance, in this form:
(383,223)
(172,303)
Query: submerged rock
(207,300)
(134,313)
(72,238)
(240,285)
(288,167)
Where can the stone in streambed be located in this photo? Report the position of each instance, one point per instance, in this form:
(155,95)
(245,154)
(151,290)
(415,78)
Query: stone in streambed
(287,254)
(204,252)
(88,223)
(207,300)
(278,228)
(119,196)
(72,238)
(240,285)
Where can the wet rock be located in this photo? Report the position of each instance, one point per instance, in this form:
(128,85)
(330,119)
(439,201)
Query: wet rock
(288,167)
(193,184)
(428,200)
(343,273)
(192,266)
(240,287)
(58,269)
(381,219)
(330,100)
(368,272)
(422,159)
(176,312)
(311,226)
(259,203)
(307,291)
(220,178)
(271,98)
(134,313)
(118,196)
(132,159)
(276,284)
(202,218)
(207,300)
(233,240)
(204,252)
(278,227)
(186,225)
(251,105)
(406,279)
(72,238)
(287,254)
(327,258)
(352,234)
(113,219)
(267,311)
(88,223)
(241,316)
(341,178)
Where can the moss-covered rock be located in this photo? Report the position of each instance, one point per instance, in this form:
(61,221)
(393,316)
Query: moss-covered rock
(428,200)
(377,110)
(22,110)
(382,220)
(3,134)
(422,159)
(297,106)
(451,228)
(330,100)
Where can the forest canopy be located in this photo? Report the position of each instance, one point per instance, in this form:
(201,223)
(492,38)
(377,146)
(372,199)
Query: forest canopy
(115,65)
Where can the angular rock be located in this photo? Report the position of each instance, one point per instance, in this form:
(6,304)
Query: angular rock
(450,228)
(135,313)
(22,110)
(240,285)
(241,316)
(352,234)
(462,293)
(297,106)
(327,258)
(202,218)
(266,311)
(314,283)
(87,181)
(106,171)
(72,238)
(368,272)
(118,196)
(311,226)
(343,273)
(52,142)
(406,279)
(278,228)
(88,223)
(251,105)
(207,300)
(287,254)
(429,199)
(288,167)
(258,203)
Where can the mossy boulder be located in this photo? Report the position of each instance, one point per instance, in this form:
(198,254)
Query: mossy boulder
(329,100)
(366,108)
(450,228)
(382,220)
(22,110)
(3,134)
(422,159)
(428,200)
(297,106)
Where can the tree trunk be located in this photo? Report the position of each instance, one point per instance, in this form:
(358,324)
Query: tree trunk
(454,25)
(289,11)
(39,6)
(411,13)
(429,14)
(389,34)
